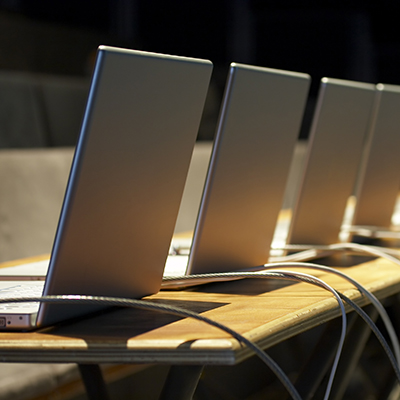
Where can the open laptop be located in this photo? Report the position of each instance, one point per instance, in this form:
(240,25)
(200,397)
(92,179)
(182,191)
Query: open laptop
(339,128)
(379,180)
(125,185)
(258,127)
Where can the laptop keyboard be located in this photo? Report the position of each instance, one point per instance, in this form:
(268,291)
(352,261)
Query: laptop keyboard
(25,290)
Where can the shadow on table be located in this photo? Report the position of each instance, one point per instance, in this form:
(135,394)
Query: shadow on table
(126,323)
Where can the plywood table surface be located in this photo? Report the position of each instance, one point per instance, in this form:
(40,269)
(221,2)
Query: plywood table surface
(265,311)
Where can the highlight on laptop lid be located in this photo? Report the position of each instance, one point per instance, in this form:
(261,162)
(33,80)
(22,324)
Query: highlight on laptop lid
(338,132)
(126,180)
(379,180)
(258,127)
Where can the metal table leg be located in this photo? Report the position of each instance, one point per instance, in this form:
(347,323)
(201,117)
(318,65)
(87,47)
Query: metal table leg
(181,382)
(93,380)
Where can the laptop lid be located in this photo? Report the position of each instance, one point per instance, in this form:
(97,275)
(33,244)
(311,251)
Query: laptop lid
(338,131)
(127,177)
(379,180)
(259,123)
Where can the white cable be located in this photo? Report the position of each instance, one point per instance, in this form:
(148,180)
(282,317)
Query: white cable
(324,250)
(374,232)
(360,248)
(135,303)
(270,274)
(377,304)
(308,252)
(321,251)
(344,326)
(296,276)
(365,249)
(195,279)
(258,274)
(377,333)
(303,255)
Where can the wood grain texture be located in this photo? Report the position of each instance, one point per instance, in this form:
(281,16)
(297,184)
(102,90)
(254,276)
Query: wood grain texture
(265,311)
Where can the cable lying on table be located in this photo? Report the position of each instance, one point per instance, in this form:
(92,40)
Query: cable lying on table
(311,252)
(265,272)
(374,301)
(374,232)
(308,252)
(201,278)
(285,275)
(305,253)
(111,301)
(147,305)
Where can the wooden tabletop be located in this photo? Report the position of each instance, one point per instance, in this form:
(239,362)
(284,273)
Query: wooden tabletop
(265,311)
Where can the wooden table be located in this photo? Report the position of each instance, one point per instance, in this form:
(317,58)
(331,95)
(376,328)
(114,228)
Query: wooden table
(265,311)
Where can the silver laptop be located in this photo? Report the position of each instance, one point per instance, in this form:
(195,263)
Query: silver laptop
(338,132)
(379,180)
(125,184)
(258,127)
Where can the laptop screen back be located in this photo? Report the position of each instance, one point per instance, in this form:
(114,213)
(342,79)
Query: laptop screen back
(379,183)
(258,127)
(338,131)
(127,176)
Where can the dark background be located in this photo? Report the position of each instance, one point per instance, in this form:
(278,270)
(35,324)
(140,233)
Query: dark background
(357,40)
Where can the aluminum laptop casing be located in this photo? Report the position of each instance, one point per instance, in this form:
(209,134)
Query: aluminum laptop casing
(336,140)
(127,177)
(259,123)
(379,180)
